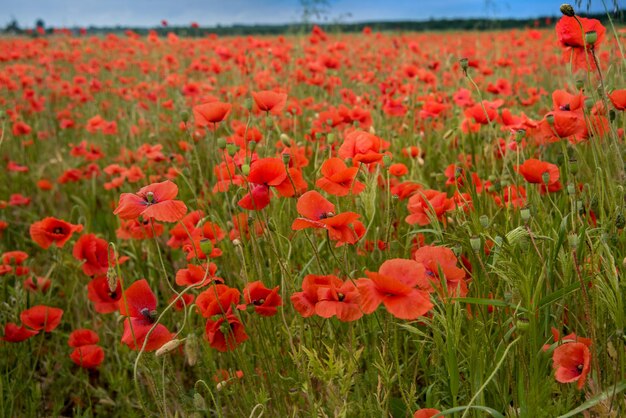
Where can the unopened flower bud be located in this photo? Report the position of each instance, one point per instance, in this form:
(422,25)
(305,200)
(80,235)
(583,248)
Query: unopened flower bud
(231,149)
(112,279)
(286,158)
(522,324)
(285,140)
(464,62)
(571,189)
(525,214)
(550,119)
(573,166)
(168,347)
(372,130)
(245,169)
(221,143)
(206,246)
(484,221)
(198,402)
(236,242)
(475,243)
(591,37)
(546,178)
(252,146)
(184,116)
(247,104)
(589,103)
(191,349)
(387,160)
(580,84)
(269,121)
(330,138)
(567,10)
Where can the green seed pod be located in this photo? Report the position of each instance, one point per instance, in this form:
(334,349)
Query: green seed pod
(580,84)
(571,189)
(387,160)
(252,146)
(206,246)
(184,116)
(330,138)
(476,244)
(245,169)
(591,37)
(221,143)
(525,214)
(232,149)
(522,324)
(484,221)
(247,104)
(286,158)
(589,103)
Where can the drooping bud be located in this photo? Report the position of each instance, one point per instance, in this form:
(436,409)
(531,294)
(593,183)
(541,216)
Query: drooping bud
(285,140)
(112,279)
(168,347)
(464,62)
(567,10)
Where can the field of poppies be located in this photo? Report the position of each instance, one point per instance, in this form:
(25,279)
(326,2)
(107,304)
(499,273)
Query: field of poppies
(358,225)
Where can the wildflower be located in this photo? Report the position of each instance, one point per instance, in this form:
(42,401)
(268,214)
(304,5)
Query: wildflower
(338,179)
(263,299)
(571,362)
(572,38)
(51,230)
(153,201)
(42,317)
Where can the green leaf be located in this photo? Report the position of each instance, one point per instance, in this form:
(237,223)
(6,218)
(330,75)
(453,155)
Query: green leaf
(612,391)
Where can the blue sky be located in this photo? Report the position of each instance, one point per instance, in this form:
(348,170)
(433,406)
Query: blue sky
(226,12)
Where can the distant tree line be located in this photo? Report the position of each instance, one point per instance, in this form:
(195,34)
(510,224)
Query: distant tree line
(381,26)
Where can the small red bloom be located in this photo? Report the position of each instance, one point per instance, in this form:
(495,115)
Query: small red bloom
(263,299)
(88,356)
(42,317)
(226,333)
(105,300)
(533,171)
(270,101)
(153,201)
(572,362)
(427,204)
(338,179)
(362,147)
(81,337)
(15,334)
(95,253)
(51,230)
(211,112)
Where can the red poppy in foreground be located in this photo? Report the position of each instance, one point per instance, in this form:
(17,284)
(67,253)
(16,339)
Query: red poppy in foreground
(270,101)
(401,285)
(88,356)
(51,230)
(340,299)
(572,362)
(154,201)
(426,413)
(226,333)
(212,112)
(263,299)
(264,173)
(618,98)
(319,213)
(95,253)
(15,334)
(362,147)
(338,179)
(139,303)
(534,170)
(42,317)
(571,36)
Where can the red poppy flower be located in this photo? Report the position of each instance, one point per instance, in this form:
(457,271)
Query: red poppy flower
(195,275)
(533,171)
(14,257)
(38,284)
(105,300)
(338,179)
(340,299)
(153,201)
(572,362)
(51,230)
(319,213)
(139,303)
(217,300)
(263,299)
(304,302)
(264,173)
(618,98)
(438,259)
(427,204)
(572,38)
(212,112)
(399,285)
(426,413)
(81,337)
(95,253)
(362,147)
(270,101)
(226,333)
(15,334)
(88,356)
(42,317)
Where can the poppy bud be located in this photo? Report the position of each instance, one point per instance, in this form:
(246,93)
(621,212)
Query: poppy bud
(286,158)
(252,146)
(2,114)
(484,221)
(579,207)
(330,138)
(184,116)
(612,115)
(386,160)
(168,347)
(464,62)
(372,130)
(525,214)
(191,349)
(285,140)
(589,103)
(571,189)
(546,178)
(580,84)
(591,37)
(231,149)
(245,169)
(247,104)
(457,250)
(567,10)
(198,402)
(268,121)
(522,324)
(550,119)
(573,166)
(206,246)
(572,239)
(236,242)
(620,222)
(112,279)
(221,143)
(519,135)
(475,244)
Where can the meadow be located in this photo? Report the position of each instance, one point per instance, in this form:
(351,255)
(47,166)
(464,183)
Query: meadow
(351,225)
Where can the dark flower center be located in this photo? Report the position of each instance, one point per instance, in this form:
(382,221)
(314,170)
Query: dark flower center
(341,297)
(148,315)
(258,302)
(580,367)
(565,107)
(58,230)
